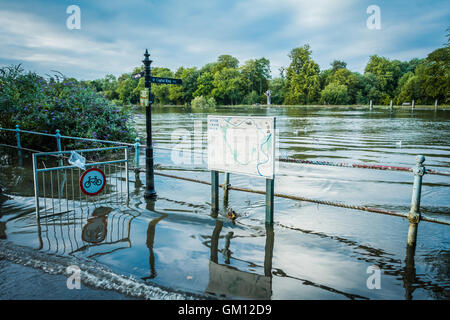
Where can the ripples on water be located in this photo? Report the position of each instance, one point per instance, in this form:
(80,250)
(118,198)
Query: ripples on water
(173,248)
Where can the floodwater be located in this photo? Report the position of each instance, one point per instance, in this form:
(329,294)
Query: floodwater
(174,248)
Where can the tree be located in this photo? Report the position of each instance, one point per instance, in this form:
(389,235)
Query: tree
(387,72)
(277,87)
(225,61)
(255,75)
(371,88)
(189,77)
(350,80)
(125,90)
(109,86)
(204,85)
(411,89)
(227,86)
(324,78)
(161,91)
(302,78)
(336,94)
(338,64)
(436,74)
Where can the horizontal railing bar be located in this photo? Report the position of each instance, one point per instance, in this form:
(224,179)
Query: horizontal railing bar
(87,165)
(6,129)
(98,140)
(38,133)
(81,150)
(292,197)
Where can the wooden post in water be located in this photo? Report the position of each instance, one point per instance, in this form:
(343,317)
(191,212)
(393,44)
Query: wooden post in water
(435,104)
(412,105)
(414,213)
(371,105)
(390,107)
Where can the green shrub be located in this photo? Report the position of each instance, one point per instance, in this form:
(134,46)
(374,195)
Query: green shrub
(76,109)
(335,94)
(202,102)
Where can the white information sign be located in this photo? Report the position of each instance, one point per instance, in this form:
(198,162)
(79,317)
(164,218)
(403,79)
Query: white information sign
(242,144)
(144,98)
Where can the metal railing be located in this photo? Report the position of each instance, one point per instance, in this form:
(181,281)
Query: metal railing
(57,185)
(413,216)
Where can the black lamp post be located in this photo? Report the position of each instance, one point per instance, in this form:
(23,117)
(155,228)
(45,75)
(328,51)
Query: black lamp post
(149,178)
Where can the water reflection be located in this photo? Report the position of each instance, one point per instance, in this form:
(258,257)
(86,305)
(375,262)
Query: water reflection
(92,230)
(96,228)
(229,281)
(151,237)
(409,275)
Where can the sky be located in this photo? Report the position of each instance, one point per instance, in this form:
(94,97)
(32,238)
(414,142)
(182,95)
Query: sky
(114,34)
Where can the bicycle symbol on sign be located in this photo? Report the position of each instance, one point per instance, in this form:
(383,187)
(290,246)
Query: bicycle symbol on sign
(94,180)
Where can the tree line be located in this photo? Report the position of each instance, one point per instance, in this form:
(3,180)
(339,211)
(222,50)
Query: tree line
(226,82)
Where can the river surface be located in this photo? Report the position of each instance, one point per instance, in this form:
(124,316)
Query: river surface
(175,248)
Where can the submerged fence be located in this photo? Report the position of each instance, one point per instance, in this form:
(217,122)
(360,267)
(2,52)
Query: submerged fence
(56,185)
(414,216)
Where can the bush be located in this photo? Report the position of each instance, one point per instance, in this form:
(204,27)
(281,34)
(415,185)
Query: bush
(336,94)
(252,98)
(76,109)
(202,102)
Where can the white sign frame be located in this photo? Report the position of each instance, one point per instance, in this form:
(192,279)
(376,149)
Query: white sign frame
(217,142)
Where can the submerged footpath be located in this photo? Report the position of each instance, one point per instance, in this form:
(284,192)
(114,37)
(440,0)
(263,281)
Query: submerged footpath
(29,274)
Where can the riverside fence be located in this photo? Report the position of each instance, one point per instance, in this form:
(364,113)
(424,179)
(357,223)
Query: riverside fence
(414,216)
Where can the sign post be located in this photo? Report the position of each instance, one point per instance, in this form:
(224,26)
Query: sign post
(150,176)
(242,145)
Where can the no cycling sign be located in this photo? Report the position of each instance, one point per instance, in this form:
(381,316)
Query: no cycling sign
(92,181)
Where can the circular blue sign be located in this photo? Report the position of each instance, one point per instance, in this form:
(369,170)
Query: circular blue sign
(92,181)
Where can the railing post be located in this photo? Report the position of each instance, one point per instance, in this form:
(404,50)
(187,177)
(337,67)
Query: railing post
(226,185)
(412,105)
(371,105)
(414,213)
(214,191)
(18,136)
(435,104)
(269,201)
(58,140)
(127,177)
(390,107)
(136,154)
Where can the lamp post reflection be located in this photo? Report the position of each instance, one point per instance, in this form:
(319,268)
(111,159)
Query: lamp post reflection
(151,237)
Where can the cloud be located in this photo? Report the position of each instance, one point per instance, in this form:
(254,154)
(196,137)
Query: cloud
(177,33)
(26,37)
